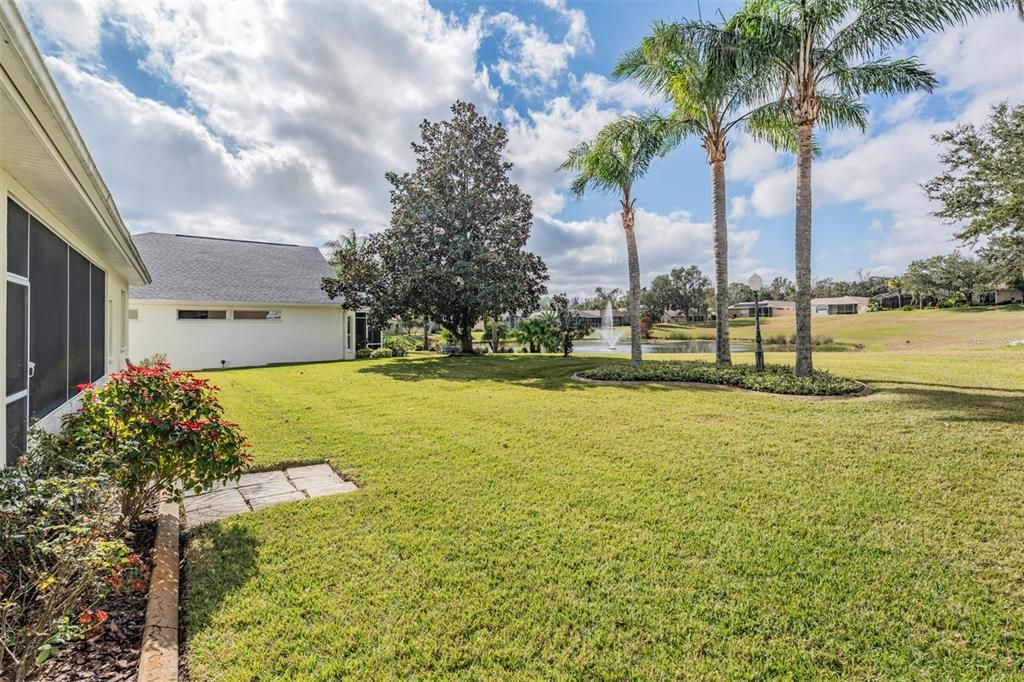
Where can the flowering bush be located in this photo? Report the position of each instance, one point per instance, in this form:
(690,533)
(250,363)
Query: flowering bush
(58,555)
(158,431)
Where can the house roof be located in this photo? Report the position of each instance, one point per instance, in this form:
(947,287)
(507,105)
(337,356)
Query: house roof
(769,303)
(840,300)
(188,268)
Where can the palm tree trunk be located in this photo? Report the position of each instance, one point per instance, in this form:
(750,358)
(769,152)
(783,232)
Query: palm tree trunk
(721,240)
(426,334)
(804,363)
(635,352)
(494,334)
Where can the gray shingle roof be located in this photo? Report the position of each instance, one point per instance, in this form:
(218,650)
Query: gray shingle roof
(186,268)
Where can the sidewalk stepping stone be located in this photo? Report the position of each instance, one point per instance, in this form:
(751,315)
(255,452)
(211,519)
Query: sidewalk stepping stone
(263,489)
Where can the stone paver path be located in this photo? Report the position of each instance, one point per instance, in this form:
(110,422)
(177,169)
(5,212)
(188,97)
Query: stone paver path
(256,491)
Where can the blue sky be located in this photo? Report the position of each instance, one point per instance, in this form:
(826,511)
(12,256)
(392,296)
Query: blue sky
(278,120)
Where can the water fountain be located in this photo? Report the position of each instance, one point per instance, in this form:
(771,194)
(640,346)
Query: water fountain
(607,331)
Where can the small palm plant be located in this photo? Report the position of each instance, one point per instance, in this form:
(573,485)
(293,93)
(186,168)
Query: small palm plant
(710,97)
(817,59)
(613,162)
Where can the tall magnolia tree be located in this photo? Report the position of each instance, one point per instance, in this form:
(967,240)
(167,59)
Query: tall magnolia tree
(455,249)
(981,189)
(819,58)
(613,162)
(710,96)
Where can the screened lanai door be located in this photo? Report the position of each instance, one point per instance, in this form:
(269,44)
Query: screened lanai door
(19,370)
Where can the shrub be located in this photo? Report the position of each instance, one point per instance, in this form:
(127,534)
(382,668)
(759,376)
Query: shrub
(821,339)
(678,336)
(153,360)
(774,378)
(58,556)
(381,353)
(363,353)
(155,430)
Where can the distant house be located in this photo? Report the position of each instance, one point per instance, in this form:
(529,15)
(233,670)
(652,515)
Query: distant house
(68,256)
(892,299)
(840,305)
(680,316)
(768,309)
(1000,296)
(232,303)
(620,317)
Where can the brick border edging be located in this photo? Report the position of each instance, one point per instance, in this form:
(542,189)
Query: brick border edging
(158,661)
(865,390)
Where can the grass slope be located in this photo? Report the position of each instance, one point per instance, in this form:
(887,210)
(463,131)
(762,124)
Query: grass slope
(514,524)
(929,329)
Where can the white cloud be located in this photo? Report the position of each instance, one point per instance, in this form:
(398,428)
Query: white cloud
(539,141)
(589,253)
(623,93)
(289,129)
(531,59)
(749,159)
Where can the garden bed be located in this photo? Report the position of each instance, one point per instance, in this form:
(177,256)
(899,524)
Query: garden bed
(775,379)
(113,654)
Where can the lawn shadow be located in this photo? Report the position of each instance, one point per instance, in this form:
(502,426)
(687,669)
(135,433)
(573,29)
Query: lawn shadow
(219,558)
(547,372)
(956,403)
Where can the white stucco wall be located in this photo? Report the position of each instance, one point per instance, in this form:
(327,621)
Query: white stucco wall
(303,334)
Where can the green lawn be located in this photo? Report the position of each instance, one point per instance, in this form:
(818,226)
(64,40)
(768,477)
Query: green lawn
(516,525)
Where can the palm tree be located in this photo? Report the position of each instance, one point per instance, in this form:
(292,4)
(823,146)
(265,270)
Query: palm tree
(350,241)
(613,162)
(606,297)
(710,97)
(821,57)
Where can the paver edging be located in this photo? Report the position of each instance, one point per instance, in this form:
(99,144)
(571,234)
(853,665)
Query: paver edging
(865,389)
(158,661)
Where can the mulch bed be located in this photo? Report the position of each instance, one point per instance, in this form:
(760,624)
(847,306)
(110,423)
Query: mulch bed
(113,655)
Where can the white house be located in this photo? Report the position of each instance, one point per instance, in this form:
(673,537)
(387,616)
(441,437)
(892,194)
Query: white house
(68,256)
(231,303)
(840,305)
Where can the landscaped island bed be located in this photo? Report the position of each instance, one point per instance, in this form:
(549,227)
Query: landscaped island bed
(774,378)
(514,524)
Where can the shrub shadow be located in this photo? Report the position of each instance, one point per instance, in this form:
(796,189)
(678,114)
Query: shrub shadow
(546,372)
(219,558)
(957,403)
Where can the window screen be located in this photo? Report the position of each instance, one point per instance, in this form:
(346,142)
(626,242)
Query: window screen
(48,328)
(202,314)
(79,300)
(16,431)
(257,315)
(17,348)
(17,239)
(97,323)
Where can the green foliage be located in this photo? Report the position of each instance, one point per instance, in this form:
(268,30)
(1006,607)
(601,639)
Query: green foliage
(156,431)
(58,552)
(981,188)
(538,333)
(569,326)
(153,360)
(363,353)
(682,289)
(455,249)
(955,276)
(774,379)
(399,345)
(379,353)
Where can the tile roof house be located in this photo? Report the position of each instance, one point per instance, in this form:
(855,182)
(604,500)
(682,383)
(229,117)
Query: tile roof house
(768,309)
(68,255)
(233,303)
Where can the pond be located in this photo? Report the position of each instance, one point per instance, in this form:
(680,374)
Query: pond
(688,346)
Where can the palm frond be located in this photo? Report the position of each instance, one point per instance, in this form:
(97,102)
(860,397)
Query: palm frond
(884,25)
(884,76)
(840,110)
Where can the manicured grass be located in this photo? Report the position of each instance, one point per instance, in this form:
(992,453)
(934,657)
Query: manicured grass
(514,524)
(773,379)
